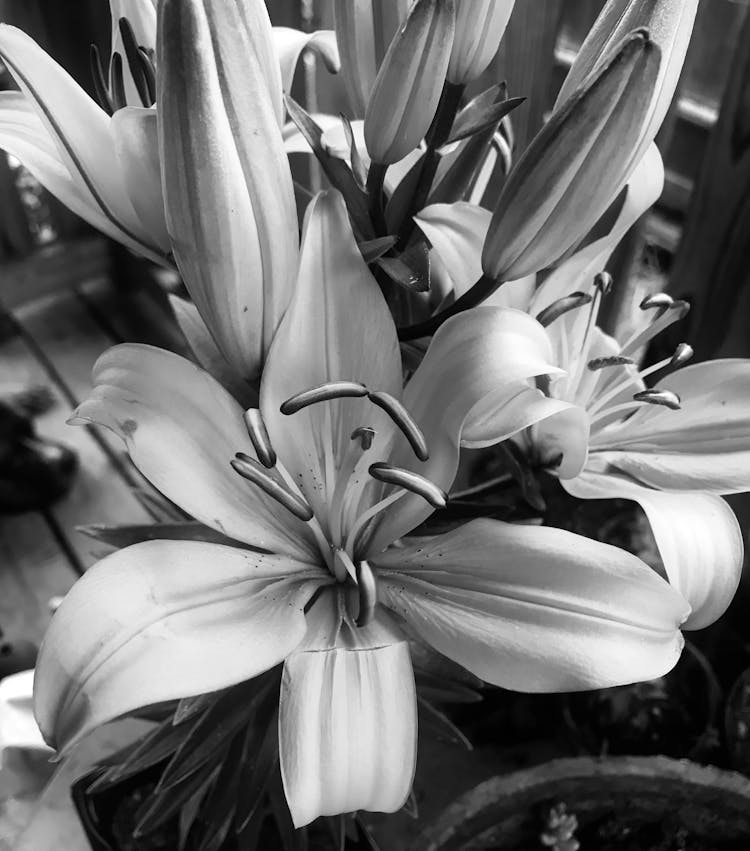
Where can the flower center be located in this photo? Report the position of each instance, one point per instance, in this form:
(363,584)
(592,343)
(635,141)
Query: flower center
(590,381)
(111,95)
(344,532)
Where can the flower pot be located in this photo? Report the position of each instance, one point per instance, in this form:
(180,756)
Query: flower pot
(618,803)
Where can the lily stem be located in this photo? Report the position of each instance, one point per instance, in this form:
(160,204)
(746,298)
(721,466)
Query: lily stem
(437,136)
(375,181)
(475,295)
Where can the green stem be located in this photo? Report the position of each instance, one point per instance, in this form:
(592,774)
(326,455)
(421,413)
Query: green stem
(482,290)
(436,137)
(375,181)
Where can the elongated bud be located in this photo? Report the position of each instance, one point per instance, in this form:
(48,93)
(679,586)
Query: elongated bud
(364,30)
(228,190)
(572,169)
(480,25)
(670,25)
(409,83)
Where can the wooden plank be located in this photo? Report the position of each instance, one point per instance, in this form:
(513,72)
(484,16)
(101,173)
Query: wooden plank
(33,568)
(66,340)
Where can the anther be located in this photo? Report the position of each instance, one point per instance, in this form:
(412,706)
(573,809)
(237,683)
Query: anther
(659,397)
(658,300)
(368,594)
(365,435)
(603,282)
(614,360)
(562,306)
(324,393)
(99,80)
(256,428)
(119,99)
(149,73)
(682,354)
(130,44)
(404,420)
(251,470)
(409,481)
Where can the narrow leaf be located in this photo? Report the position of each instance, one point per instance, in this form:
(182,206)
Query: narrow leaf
(471,121)
(372,249)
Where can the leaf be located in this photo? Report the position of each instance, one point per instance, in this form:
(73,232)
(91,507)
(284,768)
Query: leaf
(476,117)
(358,167)
(336,170)
(438,723)
(189,707)
(372,249)
(214,729)
(437,689)
(126,535)
(261,756)
(412,269)
(291,839)
(458,180)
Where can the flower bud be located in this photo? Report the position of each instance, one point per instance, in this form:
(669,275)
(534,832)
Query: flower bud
(575,165)
(228,190)
(480,25)
(669,24)
(364,29)
(409,83)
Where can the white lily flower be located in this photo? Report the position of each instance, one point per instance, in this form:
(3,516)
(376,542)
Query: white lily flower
(343,466)
(102,159)
(675,463)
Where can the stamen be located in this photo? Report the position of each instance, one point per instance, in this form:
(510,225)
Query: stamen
(100,82)
(404,420)
(657,300)
(119,99)
(324,393)
(343,566)
(256,428)
(368,593)
(614,360)
(365,435)
(130,43)
(659,397)
(251,470)
(412,482)
(672,313)
(149,73)
(682,354)
(603,282)
(562,306)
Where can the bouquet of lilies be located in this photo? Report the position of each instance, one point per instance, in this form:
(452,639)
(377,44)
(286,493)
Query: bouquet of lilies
(313,443)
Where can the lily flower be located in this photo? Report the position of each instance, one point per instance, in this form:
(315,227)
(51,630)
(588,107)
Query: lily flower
(325,477)
(101,159)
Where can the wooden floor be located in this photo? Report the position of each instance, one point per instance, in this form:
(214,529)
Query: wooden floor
(55,341)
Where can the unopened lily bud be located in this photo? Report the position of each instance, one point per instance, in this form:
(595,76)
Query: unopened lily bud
(409,83)
(669,24)
(228,192)
(570,172)
(480,25)
(364,30)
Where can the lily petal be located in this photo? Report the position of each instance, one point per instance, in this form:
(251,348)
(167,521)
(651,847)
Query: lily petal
(207,353)
(563,439)
(536,609)
(137,146)
(182,429)
(289,43)
(80,129)
(24,136)
(698,536)
(163,620)
(705,446)
(348,717)
(476,366)
(228,189)
(338,327)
